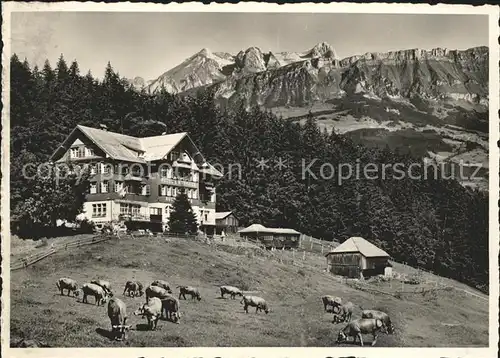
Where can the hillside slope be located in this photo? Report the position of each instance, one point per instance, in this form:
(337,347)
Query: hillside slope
(293,292)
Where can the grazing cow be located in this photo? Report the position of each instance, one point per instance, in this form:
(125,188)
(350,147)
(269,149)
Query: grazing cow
(104,284)
(152,311)
(163,284)
(171,307)
(193,291)
(231,290)
(344,314)
(257,302)
(328,300)
(384,317)
(156,291)
(361,326)
(69,284)
(91,289)
(133,288)
(117,313)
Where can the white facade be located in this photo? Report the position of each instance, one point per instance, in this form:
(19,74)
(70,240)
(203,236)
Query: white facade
(110,210)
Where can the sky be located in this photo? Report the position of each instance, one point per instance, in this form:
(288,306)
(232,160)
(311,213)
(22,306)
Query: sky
(149,44)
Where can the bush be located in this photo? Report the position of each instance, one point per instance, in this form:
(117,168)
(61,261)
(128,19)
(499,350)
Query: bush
(87,226)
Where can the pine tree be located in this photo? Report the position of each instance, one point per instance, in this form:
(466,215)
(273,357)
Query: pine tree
(182,219)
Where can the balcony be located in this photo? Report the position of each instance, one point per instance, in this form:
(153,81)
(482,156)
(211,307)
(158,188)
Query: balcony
(134,217)
(180,182)
(181,164)
(135,177)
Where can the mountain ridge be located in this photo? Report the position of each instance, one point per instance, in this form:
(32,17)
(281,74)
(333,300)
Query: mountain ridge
(213,68)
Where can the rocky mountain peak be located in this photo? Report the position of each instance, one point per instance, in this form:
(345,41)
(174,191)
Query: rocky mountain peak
(251,60)
(323,49)
(205,52)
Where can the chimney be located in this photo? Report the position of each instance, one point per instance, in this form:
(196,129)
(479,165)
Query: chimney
(103,127)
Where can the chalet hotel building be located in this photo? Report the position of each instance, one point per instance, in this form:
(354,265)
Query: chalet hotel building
(137,179)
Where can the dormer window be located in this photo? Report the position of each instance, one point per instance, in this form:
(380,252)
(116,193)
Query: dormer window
(74,152)
(80,152)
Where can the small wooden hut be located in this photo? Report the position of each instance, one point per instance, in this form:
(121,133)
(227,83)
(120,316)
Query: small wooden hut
(357,258)
(277,238)
(226,222)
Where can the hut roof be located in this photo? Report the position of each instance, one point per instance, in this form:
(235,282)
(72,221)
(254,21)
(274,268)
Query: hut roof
(283,231)
(222,214)
(254,228)
(261,228)
(358,244)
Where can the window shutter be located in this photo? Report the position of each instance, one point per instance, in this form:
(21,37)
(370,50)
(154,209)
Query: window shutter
(159,190)
(148,189)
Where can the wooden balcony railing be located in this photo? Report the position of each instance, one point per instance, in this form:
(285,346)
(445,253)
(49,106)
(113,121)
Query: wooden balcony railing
(180,182)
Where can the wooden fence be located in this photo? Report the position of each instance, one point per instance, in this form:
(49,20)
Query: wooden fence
(31,259)
(312,244)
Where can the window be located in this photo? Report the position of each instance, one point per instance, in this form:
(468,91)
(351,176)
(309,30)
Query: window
(155,211)
(195,194)
(104,186)
(130,209)
(168,190)
(164,172)
(99,210)
(124,170)
(136,170)
(106,168)
(173,156)
(93,169)
(74,153)
(89,152)
(93,188)
(167,210)
(144,189)
(118,186)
